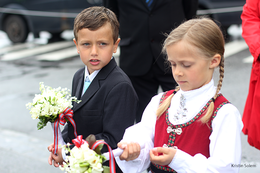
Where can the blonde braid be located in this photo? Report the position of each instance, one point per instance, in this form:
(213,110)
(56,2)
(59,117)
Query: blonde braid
(165,104)
(210,109)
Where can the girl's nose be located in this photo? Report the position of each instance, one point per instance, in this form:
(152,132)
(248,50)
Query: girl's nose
(177,71)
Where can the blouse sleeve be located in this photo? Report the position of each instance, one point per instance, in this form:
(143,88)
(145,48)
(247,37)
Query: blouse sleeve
(225,146)
(143,133)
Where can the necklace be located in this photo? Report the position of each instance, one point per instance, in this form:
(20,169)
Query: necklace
(181,111)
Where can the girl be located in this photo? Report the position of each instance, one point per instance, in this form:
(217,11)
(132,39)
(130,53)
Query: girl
(193,128)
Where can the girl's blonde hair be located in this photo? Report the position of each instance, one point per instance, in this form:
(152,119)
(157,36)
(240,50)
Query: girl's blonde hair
(204,34)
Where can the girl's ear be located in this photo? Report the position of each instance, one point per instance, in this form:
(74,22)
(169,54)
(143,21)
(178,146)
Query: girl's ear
(215,61)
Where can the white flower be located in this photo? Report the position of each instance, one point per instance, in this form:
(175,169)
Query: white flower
(83,160)
(97,167)
(90,156)
(50,103)
(77,153)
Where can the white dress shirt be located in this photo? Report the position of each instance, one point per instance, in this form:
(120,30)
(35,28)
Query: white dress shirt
(225,142)
(92,75)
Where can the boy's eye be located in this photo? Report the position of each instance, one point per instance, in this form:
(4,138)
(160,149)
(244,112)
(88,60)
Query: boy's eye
(103,44)
(86,44)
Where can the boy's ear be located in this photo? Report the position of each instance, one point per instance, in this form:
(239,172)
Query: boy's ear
(116,45)
(215,61)
(75,42)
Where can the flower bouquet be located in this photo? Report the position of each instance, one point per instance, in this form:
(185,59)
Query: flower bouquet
(53,105)
(86,157)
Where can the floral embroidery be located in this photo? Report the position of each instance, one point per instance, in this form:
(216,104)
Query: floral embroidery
(216,111)
(168,169)
(181,111)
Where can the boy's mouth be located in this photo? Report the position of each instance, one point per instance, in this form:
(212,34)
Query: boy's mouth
(94,61)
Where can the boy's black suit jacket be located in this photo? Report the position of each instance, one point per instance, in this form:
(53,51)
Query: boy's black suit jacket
(107,107)
(142,31)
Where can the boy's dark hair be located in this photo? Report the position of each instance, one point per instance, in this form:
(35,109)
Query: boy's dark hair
(95,17)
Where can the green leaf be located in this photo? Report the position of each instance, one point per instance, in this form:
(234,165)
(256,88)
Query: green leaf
(84,164)
(99,148)
(40,125)
(106,169)
(43,120)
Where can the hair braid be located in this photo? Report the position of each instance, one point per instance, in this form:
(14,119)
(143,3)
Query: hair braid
(221,76)
(210,109)
(165,104)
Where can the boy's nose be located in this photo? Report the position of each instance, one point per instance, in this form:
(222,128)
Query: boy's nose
(94,50)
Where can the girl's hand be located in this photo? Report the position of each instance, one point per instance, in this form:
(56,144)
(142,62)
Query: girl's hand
(162,155)
(131,150)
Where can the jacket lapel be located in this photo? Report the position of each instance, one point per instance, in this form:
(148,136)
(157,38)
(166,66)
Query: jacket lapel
(80,85)
(94,86)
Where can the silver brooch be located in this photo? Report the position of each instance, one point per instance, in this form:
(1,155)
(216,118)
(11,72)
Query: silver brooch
(182,110)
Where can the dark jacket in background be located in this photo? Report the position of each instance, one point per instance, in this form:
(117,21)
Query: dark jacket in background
(142,31)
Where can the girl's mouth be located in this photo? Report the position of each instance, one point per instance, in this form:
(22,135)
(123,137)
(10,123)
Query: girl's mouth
(181,82)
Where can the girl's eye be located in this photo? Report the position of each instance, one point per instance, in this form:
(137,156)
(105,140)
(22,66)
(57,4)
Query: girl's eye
(173,65)
(186,65)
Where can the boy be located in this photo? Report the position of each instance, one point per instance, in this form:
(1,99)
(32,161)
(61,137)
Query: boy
(109,104)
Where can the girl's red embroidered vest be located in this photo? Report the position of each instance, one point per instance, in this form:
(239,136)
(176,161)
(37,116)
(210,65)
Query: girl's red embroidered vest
(191,137)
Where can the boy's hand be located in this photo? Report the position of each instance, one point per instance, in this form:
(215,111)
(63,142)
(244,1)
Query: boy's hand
(56,159)
(131,150)
(162,155)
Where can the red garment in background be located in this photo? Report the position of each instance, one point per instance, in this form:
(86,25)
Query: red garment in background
(251,33)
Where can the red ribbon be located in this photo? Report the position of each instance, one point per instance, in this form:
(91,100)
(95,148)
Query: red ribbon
(78,141)
(66,114)
(112,165)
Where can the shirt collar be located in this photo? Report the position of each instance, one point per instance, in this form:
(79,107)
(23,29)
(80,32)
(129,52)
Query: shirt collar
(194,101)
(92,75)
(206,90)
